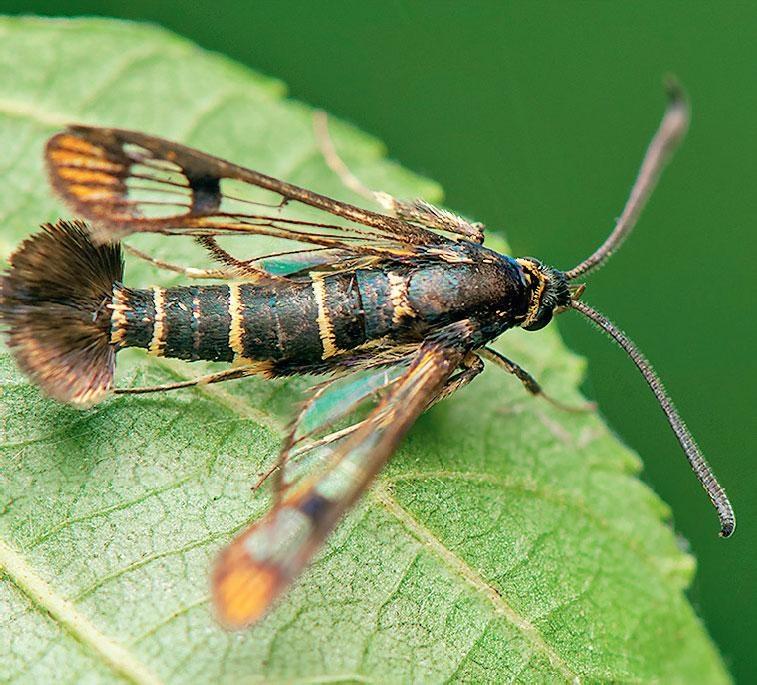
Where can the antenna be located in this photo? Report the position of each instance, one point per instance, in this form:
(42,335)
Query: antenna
(698,463)
(669,134)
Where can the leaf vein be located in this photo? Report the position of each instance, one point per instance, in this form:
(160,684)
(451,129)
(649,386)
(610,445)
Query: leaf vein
(554,496)
(144,561)
(382,495)
(42,595)
(66,523)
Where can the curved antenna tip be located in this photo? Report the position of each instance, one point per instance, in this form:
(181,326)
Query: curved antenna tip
(699,466)
(727,528)
(678,103)
(673,88)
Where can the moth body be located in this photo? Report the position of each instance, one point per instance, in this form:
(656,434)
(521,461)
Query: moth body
(302,324)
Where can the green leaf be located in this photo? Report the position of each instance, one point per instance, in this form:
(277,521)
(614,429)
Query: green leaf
(505,541)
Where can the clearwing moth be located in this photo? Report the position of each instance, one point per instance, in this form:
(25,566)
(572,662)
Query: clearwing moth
(396,307)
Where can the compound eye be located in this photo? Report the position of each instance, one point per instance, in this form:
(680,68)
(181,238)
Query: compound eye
(543,317)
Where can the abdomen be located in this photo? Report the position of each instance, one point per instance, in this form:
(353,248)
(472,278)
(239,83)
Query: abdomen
(303,322)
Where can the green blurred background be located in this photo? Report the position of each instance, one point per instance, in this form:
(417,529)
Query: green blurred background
(534,118)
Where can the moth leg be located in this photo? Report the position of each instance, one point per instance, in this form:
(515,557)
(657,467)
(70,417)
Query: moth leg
(294,454)
(424,213)
(337,165)
(417,211)
(238,268)
(472,365)
(219,377)
(188,271)
(528,381)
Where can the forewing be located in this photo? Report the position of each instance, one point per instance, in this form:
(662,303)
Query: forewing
(125,182)
(259,564)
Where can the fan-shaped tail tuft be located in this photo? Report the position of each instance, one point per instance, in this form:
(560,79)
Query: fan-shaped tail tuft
(55,309)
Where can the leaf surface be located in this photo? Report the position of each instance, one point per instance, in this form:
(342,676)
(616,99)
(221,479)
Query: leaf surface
(506,541)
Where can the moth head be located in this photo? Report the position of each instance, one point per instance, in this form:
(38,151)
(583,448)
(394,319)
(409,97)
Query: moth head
(548,292)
